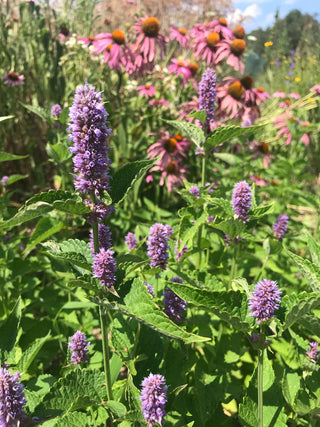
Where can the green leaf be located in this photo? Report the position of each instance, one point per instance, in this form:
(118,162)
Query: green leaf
(140,305)
(226,133)
(230,159)
(261,211)
(73,419)
(30,353)
(14,178)
(125,178)
(71,206)
(232,228)
(46,227)
(229,306)
(26,213)
(193,133)
(4,157)
(309,270)
(291,386)
(200,115)
(299,310)
(3,118)
(75,251)
(117,408)
(80,383)
(54,195)
(59,152)
(314,249)
(187,232)
(9,329)
(123,340)
(39,111)
(37,388)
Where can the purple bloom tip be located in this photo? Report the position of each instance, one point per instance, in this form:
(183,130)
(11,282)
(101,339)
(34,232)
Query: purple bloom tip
(157,245)
(79,348)
(12,398)
(153,398)
(241,200)
(264,300)
(131,241)
(280,226)
(194,190)
(104,267)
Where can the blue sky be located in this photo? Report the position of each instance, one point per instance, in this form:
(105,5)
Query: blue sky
(261,12)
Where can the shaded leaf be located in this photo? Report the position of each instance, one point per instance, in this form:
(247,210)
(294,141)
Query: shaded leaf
(192,132)
(309,270)
(9,329)
(226,133)
(4,157)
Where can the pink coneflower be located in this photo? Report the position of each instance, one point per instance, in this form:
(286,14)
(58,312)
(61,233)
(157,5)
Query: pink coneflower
(281,124)
(168,148)
(116,51)
(88,41)
(261,149)
(249,94)
(173,174)
(147,37)
(279,94)
(239,32)
(180,68)
(13,79)
(206,46)
(316,89)
(159,102)
(221,27)
(258,180)
(261,95)
(294,95)
(146,90)
(230,97)
(232,51)
(179,34)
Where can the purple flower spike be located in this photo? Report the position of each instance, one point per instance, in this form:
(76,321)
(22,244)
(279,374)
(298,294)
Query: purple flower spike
(79,348)
(131,241)
(157,245)
(207,94)
(104,238)
(56,110)
(313,352)
(174,306)
(12,398)
(264,300)
(89,134)
(153,398)
(194,190)
(241,200)
(104,267)
(280,226)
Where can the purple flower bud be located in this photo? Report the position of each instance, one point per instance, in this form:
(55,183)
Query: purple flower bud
(210,219)
(280,226)
(104,238)
(180,254)
(89,134)
(174,306)
(131,241)
(56,110)
(157,245)
(264,300)
(207,94)
(313,352)
(99,211)
(241,200)
(12,398)
(194,190)
(4,180)
(150,289)
(104,267)
(153,398)
(79,348)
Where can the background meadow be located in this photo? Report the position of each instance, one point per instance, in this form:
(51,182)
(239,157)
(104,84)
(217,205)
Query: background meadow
(159,233)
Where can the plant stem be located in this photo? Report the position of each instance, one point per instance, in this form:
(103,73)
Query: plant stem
(260,387)
(203,181)
(233,271)
(105,349)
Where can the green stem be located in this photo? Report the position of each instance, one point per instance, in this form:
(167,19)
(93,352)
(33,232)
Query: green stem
(233,271)
(260,387)
(203,181)
(106,353)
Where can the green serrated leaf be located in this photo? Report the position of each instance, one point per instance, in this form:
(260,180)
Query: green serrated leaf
(230,159)
(125,178)
(200,115)
(5,157)
(73,419)
(291,386)
(261,211)
(314,249)
(193,133)
(233,228)
(39,111)
(30,353)
(117,408)
(52,196)
(9,329)
(46,227)
(188,233)
(37,388)
(301,309)
(71,206)
(123,341)
(309,270)
(26,213)
(226,133)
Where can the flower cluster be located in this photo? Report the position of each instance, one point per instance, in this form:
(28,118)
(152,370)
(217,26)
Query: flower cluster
(79,348)
(104,267)
(104,238)
(207,95)
(56,110)
(150,289)
(194,190)
(131,241)
(264,300)
(157,245)
(313,352)
(153,398)
(174,306)
(12,398)
(241,200)
(89,134)
(280,226)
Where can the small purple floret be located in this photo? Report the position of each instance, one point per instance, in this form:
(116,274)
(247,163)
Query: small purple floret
(131,241)
(79,348)
(241,200)
(179,255)
(174,306)
(150,289)
(12,398)
(157,245)
(194,190)
(56,110)
(313,352)
(104,267)
(4,180)
(264,300)
(153,398)
(280,226)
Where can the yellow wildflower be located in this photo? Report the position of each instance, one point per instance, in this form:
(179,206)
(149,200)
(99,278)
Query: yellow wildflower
(297,79)
(268,44)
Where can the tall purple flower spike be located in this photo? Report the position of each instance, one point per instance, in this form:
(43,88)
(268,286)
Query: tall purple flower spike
(157,245)
(104,267)
(207,94)
(241,200)
(280,227)
(79,348)
(264,300)
(12,398)
(174,306)
(153,398)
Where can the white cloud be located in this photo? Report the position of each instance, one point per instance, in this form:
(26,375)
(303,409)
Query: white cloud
(239,16)
(289,1)
(257,1)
